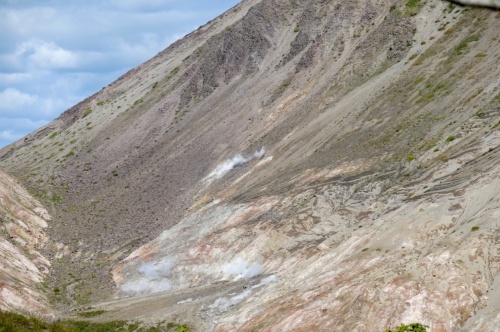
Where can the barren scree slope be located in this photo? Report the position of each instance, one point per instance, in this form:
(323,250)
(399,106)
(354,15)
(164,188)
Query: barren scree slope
(291,165)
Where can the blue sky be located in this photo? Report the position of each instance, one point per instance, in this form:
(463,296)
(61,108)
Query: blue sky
(54,53)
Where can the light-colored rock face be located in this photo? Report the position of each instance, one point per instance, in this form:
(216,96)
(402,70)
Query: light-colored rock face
(22,267)
(339,256)
(293,165)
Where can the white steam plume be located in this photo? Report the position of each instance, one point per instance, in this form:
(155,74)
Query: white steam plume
(266,281)
(241,269)
(259,154)
(235,162)
(154,278)
(224,303)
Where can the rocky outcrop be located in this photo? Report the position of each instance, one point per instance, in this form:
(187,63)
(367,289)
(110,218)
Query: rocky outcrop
(22,235)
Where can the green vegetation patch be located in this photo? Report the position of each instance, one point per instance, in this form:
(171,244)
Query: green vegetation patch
(89,314)
(177,327)
(412,7)
(413,327)
(474,228)
(54,134)
(12,322)
(173,72)
(431,91)
(462,47)
(55,198)
(87,112)
(413,3)
(451,7)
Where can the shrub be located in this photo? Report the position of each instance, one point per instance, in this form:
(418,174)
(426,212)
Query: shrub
(413,327)
(89,314)
(177,327)
(462,46)
(12,322)
(474,228)
(296,29)
(55,198)
(173,72)
(450,138)
(413,3)
(54,134)
(87,112)
(412,7)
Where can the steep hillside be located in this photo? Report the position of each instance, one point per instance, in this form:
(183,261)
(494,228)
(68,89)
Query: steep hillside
(291,165)
(23,221)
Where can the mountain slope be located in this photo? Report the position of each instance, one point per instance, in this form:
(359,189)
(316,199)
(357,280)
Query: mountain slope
(22,235)
(284,138)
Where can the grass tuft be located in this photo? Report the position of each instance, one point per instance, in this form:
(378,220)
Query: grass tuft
(87,112)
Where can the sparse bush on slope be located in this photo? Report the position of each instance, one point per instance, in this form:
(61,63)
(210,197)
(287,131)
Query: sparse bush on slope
(12,322)
(412,327)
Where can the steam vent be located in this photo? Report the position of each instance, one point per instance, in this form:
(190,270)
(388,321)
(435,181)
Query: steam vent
(292,165)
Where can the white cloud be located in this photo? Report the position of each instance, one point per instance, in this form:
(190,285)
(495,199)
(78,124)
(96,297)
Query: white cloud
(19,123)
(12,100)
(9,135)
(57,53)
(13,78)
(40,54)
(17,104)
(139,4)
(14,129)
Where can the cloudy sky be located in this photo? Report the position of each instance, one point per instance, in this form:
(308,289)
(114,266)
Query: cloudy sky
(54,53)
